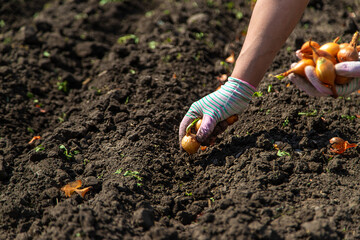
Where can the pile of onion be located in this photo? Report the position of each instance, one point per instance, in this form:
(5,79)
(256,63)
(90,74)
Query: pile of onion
(189,142)
(323,58)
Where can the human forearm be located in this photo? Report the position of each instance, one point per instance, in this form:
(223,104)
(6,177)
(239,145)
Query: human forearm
(270,25)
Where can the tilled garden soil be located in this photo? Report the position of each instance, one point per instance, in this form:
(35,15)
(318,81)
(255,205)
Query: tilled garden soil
(105,85)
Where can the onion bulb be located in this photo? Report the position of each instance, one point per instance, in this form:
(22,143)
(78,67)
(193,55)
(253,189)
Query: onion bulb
(306,47)
(321,53)
(299,68)
(348,52)
(189,143)
(331,47)
(325,71)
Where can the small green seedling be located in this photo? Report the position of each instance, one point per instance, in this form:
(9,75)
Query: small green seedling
(188,193)
(2,23)
(118,171)
(62,117)
(307,114)
(46,54)
(63,86)
(30,130)
(134,174)
(257,94)
(199,35)
(282,153)
(286,122)
(152,44)
(68,153)
(30,95)
(103,2)
(269,89)
(86,161)
(126,38)
(39,148)
(348,117)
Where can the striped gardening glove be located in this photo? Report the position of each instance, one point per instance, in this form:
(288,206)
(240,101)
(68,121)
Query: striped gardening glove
(313,87)
(232,98)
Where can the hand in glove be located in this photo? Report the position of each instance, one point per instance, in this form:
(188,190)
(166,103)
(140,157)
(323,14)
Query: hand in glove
(313,86)
(232,98)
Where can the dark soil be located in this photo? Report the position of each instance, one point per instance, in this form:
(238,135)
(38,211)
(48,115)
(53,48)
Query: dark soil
(115,104)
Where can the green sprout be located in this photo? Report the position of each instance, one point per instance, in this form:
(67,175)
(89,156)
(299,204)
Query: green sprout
(7,40)
(39,148)
(149,14)
(286,122)
(269,89)
(103,2)
(63,86)
(126,38)
(192,124)
(152,44)
(68,153)
(257,94)
(2,23)
(230,5)
(46,54)
(62,117)
(86,161)
(30,130)
(97,90)
(178,56)
(166,58)
(348,117)
(188,193)
(134,174)
(307,114)
(29,95)
(199,35)
(210,3)
(118,171)
(282,153)
(127,100)
(239,15)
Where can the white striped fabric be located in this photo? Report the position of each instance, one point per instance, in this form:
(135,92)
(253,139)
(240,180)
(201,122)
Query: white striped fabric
(232,98)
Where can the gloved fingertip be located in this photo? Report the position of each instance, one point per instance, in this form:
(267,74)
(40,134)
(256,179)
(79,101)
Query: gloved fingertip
(348,69)
(182,129)
(207,126)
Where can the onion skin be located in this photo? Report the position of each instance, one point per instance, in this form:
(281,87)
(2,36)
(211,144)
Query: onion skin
(306,48)
(332,48)
(190,144)
(325,71)
(299,68)
(349,52)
